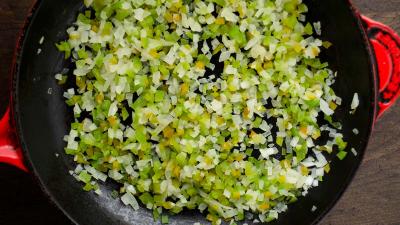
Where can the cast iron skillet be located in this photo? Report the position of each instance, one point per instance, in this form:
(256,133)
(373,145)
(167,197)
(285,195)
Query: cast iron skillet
(38,118)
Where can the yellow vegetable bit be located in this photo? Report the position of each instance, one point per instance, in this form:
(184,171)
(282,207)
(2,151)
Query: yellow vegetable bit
(208,160)
(116,165)
(99,98)
(315,51)
(153,53)
(177,171)
(112,120)
(168,132)
(241,11)
(235,173)
(246,113)
(227,146)
(236,195)
(332,105)
(239,157)
(304,170)
(267,194)
(74,36)
(316,134)
(327,168)
(264,206)
(113,60)
(252,134)
(180,132)
(200,65)
(176,18)
(95,28)
(220,120)
(220,21)
(297,47)
(184,88)
(168,205)
(282,179)
(168,17)
(303,130)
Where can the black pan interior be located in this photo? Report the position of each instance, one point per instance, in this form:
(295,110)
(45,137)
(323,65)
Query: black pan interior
(43,118)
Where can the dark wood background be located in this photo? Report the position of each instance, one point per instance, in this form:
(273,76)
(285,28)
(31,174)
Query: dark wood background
(373,198)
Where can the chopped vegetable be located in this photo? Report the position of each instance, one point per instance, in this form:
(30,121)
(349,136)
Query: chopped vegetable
(313,208)
(355,102)
(341,155)
(354,151)
(41,40)
(164,219)
(211,104)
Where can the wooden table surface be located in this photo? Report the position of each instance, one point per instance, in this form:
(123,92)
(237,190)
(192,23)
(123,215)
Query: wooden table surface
(373,197)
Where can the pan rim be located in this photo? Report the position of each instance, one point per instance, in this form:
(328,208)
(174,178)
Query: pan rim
(15,73)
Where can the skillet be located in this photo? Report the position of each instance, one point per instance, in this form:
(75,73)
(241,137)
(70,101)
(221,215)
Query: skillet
(364,53)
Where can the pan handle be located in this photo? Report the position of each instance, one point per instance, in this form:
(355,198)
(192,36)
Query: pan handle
(386,44)
(10,152)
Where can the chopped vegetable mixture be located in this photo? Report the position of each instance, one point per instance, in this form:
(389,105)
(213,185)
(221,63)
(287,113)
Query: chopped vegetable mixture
(215,105)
